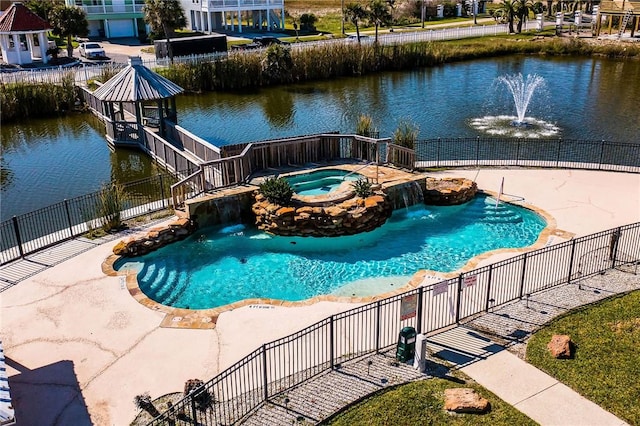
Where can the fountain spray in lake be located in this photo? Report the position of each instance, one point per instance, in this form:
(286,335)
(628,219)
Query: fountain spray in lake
(522,90)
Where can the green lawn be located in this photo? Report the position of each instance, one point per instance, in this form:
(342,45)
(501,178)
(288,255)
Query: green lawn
(421,403)
(606,364)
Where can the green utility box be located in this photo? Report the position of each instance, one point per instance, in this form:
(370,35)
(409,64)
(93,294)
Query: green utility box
(406,344)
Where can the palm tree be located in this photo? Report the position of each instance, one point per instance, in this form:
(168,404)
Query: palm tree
(509,12)
(164,16)
(379,14)
(522,12)
(354,12)
(68,22)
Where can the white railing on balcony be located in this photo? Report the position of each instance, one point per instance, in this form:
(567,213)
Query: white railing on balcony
(117,8)
(228,4)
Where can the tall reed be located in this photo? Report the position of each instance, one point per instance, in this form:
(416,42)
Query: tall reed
(243,70)
(25,100)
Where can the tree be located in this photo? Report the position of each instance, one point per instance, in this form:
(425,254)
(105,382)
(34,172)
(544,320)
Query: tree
(308,22)
(43,8)
(354,12)
(379,14)
(67,22)
(509,12)
(164,16)
(522,8)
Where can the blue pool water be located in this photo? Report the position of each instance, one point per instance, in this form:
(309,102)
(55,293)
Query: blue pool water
(320,181)
(218,266)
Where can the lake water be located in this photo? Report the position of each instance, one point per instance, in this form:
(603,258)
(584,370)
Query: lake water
(45,161)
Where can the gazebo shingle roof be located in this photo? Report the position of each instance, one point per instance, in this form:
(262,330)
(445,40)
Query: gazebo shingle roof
(18,18)
(137,83)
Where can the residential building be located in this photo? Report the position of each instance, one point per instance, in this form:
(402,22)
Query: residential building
(113,18)
(234,15)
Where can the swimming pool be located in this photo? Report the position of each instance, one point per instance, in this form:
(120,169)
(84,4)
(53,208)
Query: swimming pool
(222,265)
(320,182)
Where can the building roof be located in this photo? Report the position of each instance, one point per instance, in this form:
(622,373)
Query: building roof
(137,83)
(18,18)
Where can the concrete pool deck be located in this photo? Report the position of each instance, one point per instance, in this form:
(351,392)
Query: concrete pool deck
(79,347)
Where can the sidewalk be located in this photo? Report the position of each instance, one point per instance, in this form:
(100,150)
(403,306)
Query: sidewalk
(536,394)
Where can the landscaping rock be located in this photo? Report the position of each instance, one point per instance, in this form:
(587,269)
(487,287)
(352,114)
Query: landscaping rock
(347,217)
(560,346)
(155,238)
(464,400)
(449,191)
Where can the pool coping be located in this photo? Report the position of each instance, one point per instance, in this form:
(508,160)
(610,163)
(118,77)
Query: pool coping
(207,318)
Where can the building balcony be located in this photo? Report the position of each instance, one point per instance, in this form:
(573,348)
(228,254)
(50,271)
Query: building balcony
(220,5)
(107,9)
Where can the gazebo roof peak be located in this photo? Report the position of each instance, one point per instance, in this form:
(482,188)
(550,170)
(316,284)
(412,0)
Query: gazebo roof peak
(137,83)
(18,18)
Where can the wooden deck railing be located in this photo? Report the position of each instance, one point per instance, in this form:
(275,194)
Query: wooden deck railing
(274,154)
(401,156)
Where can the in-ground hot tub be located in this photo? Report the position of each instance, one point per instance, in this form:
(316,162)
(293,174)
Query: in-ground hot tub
(320,187)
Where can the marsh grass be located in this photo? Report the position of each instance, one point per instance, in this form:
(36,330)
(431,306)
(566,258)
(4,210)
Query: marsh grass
(422,403)
(606,363)
(243,70)
(23,100)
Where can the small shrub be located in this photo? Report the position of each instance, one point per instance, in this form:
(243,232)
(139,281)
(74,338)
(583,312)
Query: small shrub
(201,396)
(406,134)
(110,205)
(277,190)
(308,22)
(362,187)
(364,126)
(143,402)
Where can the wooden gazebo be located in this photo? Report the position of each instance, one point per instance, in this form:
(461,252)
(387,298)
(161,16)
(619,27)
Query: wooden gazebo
(137,94)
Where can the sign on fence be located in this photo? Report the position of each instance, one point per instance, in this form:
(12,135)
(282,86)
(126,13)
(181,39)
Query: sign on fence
(440,288)
(408,306)
(469,281)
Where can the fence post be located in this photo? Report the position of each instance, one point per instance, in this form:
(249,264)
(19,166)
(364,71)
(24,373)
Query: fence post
(265,379)
(419,310)
(331,349)
(518,151)
(194,414)
(162,197)
(558,153)
(477,150)
(573,252)
(601,155)
(378,305)
(438,154)
(488,298)
(524,270)
(459,298)
(66,208)
(16,231)
(613,246)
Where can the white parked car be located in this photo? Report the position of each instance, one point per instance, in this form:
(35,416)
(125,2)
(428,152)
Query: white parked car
(91,50)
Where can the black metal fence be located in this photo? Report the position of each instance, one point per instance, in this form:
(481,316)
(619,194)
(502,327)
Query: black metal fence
(30,232)
(282,364)
(559,153)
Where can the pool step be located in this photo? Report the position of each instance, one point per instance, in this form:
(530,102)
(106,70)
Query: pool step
(490,213)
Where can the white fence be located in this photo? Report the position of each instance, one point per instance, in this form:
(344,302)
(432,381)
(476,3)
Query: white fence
(85,72)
